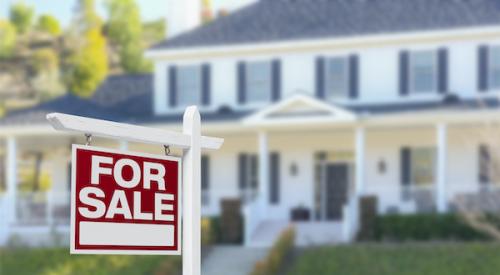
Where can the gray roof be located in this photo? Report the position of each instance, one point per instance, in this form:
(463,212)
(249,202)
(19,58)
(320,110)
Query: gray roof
(282,20)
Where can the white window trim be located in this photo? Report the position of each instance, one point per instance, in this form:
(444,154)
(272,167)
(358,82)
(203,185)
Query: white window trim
(328,95)
(198,67)
(411,73)
(258,103)
(426,185)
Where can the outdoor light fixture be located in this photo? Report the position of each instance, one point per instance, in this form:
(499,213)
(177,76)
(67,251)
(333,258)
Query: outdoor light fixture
(382,166)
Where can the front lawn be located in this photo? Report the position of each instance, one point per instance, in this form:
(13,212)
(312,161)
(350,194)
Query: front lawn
(401,259)
(58,261)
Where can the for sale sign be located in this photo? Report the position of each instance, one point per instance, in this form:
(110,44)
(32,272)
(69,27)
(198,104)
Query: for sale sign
(124,203)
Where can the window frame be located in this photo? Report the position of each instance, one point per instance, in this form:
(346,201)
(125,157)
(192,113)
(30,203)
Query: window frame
(411,72)
(490,75)
(248,91)
(179,88)
(413,182)
(346,67)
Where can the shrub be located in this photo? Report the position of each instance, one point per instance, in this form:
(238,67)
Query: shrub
(8,38)
(207,232)
(280,250)
(424,227)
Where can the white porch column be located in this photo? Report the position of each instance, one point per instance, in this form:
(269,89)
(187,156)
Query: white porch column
(263,168)
(360,162)
(11,176)
(441,136)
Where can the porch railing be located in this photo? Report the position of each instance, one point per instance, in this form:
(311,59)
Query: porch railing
(253,213)
(42,208)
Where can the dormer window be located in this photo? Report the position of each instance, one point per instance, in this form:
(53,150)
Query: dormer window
(189,85)
(423,72)
(258,82)
(336,78)
(494,68)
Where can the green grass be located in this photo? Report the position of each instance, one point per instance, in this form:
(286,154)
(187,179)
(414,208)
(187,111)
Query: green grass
(58,261)
(401,259)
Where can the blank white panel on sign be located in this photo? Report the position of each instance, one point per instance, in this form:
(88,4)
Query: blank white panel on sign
(134,234)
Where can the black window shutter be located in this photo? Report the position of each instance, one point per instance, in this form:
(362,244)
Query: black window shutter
(254,170)
(274,169)
(172,86)
(405,166)
(353,76)
(276,80)
(242,170)
(404,63)
(443,70)
(482,72)
(320,77)
(242,85)
(205,84)
(205,172)
(484,164)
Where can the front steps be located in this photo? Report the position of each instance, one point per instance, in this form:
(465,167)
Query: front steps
(307,233)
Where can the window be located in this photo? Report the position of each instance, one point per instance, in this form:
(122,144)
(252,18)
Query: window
(494,65)
(188,85)
(422,168)
(336,78)
(249,176)
(423,71)
(258,81)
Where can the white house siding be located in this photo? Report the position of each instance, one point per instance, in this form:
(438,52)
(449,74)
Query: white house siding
(378,71)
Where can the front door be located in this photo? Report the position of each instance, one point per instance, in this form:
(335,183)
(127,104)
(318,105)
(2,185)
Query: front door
(337,178)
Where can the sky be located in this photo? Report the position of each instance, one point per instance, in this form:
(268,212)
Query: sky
(150,9)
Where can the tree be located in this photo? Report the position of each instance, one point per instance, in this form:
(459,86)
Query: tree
(7,38)
(49,24)
(21,16)
(124,29)
(89,62)
(46,81)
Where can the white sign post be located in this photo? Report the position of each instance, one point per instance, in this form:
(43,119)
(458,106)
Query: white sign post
(190,140)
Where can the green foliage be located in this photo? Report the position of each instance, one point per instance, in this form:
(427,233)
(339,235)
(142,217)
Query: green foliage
(21,15)
(44,60)
(58,261)
(423,227)
(207,232)
(153,31)
(49,24)
(124,29)
(7,39)
(89,63)
(274,261)
(401,259)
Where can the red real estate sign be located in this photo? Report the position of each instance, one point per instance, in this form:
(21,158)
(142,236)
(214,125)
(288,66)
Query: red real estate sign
(124,203)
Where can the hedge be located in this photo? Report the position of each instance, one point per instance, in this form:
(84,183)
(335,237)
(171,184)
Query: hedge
(276,257)
(424,227)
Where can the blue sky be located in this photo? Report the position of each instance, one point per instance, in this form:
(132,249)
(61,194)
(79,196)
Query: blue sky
(62,9)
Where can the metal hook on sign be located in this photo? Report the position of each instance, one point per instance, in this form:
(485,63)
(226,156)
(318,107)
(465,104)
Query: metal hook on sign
(88,138)
(167,149)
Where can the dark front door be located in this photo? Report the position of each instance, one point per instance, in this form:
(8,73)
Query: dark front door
(336,190)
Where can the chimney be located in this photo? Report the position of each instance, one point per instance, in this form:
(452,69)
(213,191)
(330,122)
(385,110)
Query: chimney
(182,16)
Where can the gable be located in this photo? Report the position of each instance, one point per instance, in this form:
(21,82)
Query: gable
(298,109)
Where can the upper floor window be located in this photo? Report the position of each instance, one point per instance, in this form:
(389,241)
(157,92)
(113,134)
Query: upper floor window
(494,67)
(336,78)
(258,82)
(423,72)
(188,85)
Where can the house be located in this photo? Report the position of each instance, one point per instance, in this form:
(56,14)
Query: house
(320,103)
